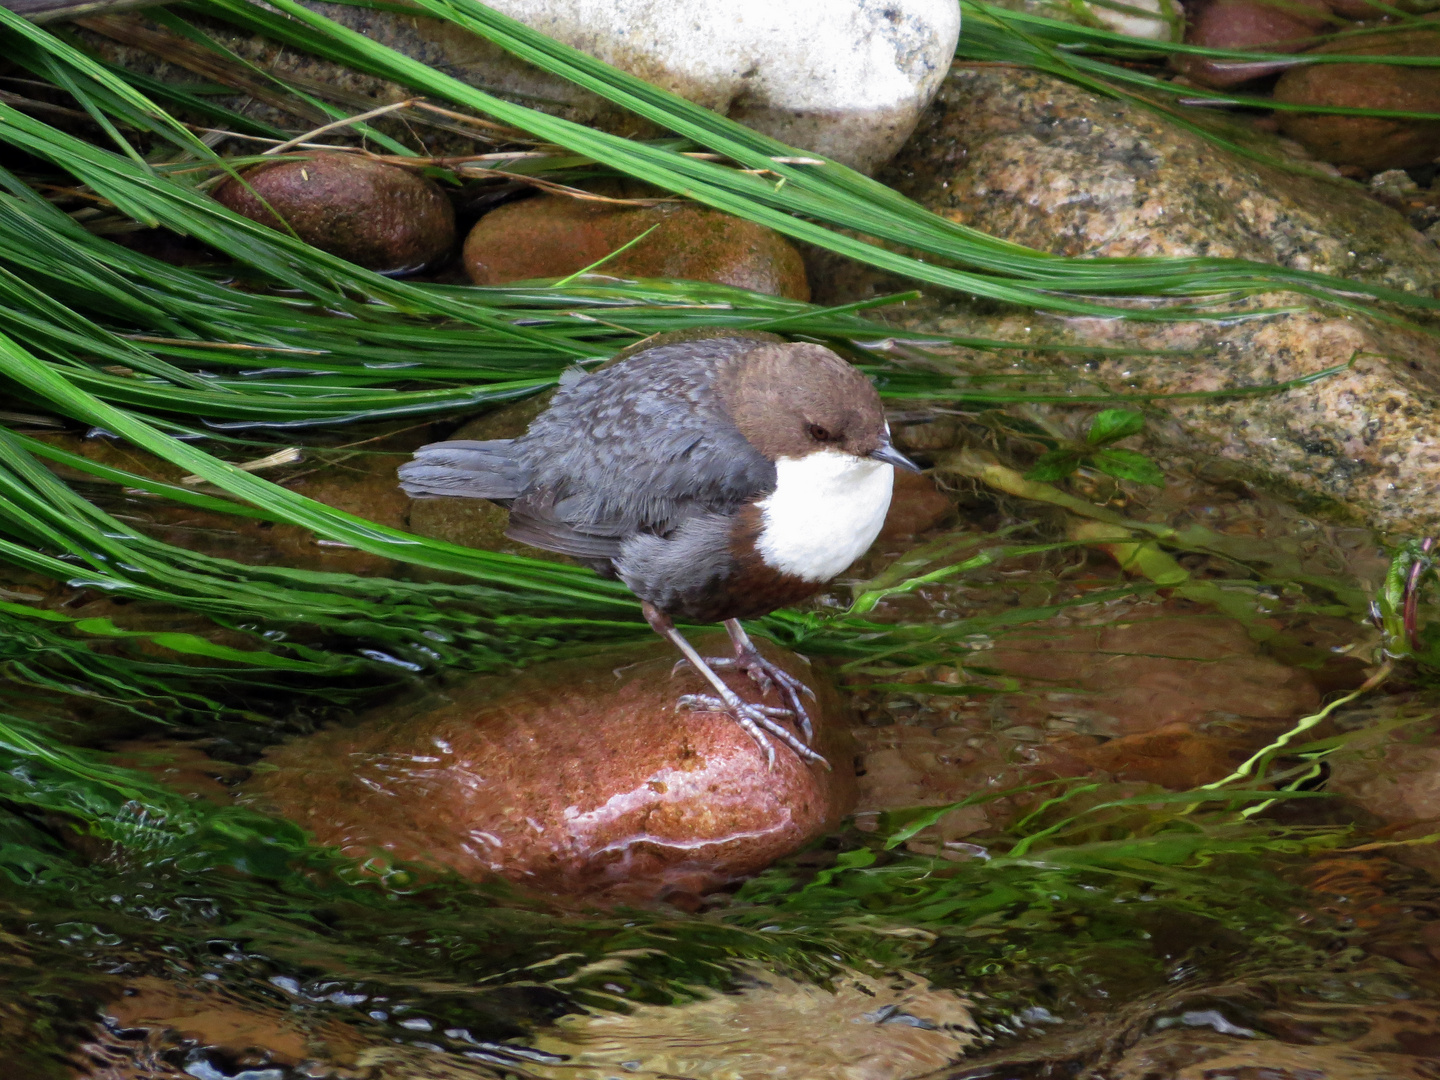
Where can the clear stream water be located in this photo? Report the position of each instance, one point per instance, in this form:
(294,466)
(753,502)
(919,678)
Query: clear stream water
(1138,939)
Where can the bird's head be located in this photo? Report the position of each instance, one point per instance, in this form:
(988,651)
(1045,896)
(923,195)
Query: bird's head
(793,400)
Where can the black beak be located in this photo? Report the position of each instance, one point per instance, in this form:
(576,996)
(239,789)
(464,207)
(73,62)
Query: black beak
(888,454)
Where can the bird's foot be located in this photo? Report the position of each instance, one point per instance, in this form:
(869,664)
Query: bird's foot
(757,720)
(767,674)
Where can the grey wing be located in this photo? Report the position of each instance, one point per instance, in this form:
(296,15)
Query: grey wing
(472,470)
(643,445)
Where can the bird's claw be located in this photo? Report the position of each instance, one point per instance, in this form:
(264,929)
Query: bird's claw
(757,720)
(766,676)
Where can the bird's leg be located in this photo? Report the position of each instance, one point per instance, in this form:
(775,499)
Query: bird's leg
(748,659)
(757,720)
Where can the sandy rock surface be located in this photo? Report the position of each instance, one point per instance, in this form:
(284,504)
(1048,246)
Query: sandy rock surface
(574,776)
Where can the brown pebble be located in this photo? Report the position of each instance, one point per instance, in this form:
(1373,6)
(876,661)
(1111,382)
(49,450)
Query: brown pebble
(578,776)
(553,236)
(375,215)
(1371,143)
(915,506)
(1249,24)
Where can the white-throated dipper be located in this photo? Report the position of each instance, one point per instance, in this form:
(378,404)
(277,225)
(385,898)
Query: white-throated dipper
(719,478)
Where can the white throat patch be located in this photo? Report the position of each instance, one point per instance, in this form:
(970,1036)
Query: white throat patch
(826,509)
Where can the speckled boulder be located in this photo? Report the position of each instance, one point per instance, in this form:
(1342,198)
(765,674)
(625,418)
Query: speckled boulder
(554,236)
(1369,142)
(375,215)
(1039,161)
(577,776)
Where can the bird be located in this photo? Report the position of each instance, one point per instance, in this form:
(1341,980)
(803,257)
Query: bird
(720,477)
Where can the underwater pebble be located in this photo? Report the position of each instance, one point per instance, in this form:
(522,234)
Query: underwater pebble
(577,776)
(375,215)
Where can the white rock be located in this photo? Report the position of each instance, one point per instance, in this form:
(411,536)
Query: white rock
(844,78)
(1168,23)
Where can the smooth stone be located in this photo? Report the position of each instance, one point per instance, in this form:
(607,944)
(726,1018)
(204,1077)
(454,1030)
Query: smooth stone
(553,236)
(916,506)
(1035,160)
(1369,142)
(842,78)
(576,776)
(375,215)
(1248,24)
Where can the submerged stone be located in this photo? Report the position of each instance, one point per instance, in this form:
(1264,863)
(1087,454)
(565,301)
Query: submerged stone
(375,215)
(555,236)
(858,1027)
(578,776)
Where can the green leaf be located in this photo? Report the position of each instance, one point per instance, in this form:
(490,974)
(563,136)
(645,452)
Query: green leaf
(1055,465)
(1112,425)
(1129,465)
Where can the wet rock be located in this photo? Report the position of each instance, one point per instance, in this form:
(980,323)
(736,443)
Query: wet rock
(1261,25)
(916,506)
(575,776)
(555,236)
(1038,161)
(1393,775)
(1370,1046)
(1145,671)
(858,1028)
(1366,141)
(1146,694)
(375,215)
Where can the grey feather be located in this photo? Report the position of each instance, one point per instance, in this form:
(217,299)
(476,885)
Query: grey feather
(635,468)
(644,444)
(680,573)
(471,470)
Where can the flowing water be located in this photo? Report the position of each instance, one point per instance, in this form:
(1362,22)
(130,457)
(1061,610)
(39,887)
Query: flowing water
(1078,918)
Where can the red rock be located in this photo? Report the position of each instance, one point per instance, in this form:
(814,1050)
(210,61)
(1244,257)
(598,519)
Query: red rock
(1249,24)
(1373,143)
(375,215)
(554,236)
(916,505)
(578,776)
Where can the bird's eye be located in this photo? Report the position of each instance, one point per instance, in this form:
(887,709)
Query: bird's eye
(818,433)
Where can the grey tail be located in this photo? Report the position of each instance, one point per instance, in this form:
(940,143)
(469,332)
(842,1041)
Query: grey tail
(464,469)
